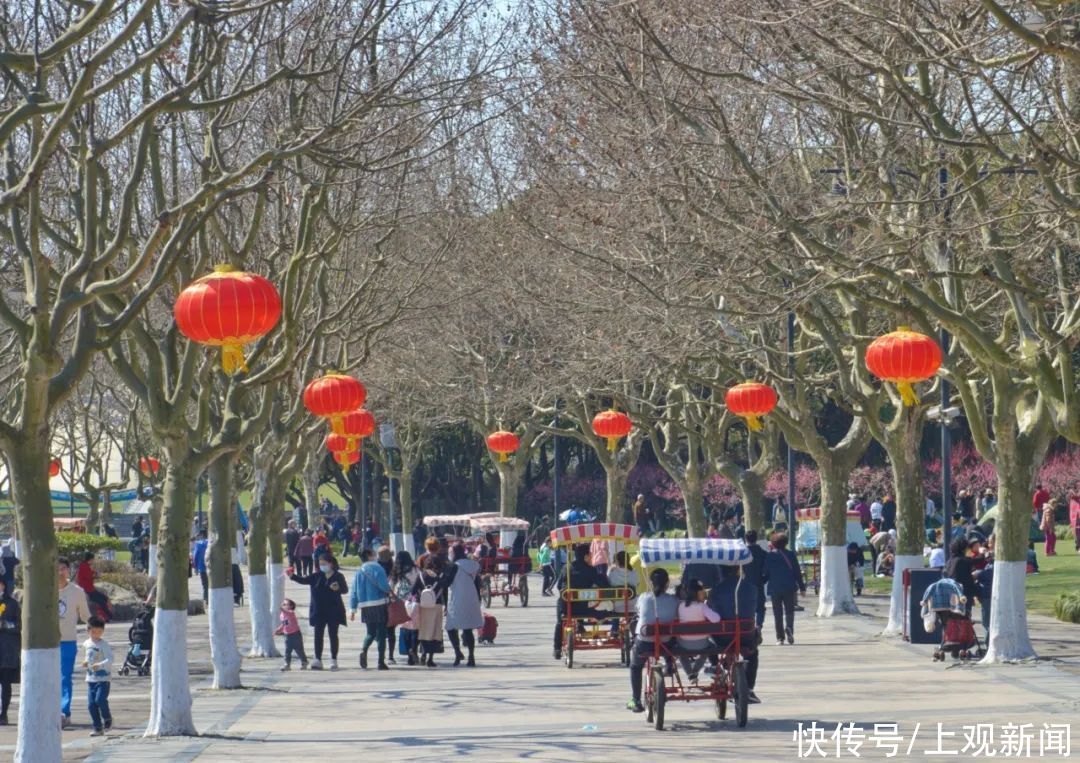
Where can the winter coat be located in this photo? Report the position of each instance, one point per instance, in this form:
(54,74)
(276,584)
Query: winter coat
(959,569)
(292,537)
(370,587)
(943,596)
(784,573)
(326,605)
(10,633)
(754,571)
(305,546)
(463,604)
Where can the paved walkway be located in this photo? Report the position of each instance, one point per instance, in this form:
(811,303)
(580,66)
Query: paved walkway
(520,703)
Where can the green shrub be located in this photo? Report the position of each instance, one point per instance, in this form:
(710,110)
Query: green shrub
(1067,607)
(74,545)
(1064,533)
(134,581)
(673,534)
(110,565)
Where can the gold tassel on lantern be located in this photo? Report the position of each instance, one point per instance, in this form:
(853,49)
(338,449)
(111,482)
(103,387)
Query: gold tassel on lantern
(232,359)
(907,394)
(753,423)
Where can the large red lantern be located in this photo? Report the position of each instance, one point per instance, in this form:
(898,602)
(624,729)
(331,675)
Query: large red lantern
(149,466)
(338,443)
(334,395)
(54,467)
(355,425)
(611,425)
(347,458)
(751,400)
(504,443)
(228,309)
(904,357)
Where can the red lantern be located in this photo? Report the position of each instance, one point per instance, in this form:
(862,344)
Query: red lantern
(504,443)
(611,425)
(751,400)
(149,466)
(904,357)
(347,458)
(54,467)
(332,396)
(228,309)
(339,443)
(356,424)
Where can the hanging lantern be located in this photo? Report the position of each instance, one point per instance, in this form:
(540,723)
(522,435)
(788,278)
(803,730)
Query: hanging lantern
(347,458)
(149,466)
(228,309)
(332,396)
(904,357)
(751,400)
(54,467)
(613,426)
(504,443)
(355,425)
(338,443)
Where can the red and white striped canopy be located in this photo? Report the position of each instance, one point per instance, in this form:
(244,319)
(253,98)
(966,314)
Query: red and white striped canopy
(814,515)
(590,531)
(457,520)
(494,524)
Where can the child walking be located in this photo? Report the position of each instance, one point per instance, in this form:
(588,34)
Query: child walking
(98,664)
(294,639)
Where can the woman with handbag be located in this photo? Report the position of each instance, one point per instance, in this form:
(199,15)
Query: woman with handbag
(463,613)
(403,576)
(371,594)
(430,598)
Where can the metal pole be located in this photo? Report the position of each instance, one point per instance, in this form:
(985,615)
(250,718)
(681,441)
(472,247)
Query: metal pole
(200,489)
(71,483)
(363,500)
(790,451)
(555,477)
(946,436)
(392,511)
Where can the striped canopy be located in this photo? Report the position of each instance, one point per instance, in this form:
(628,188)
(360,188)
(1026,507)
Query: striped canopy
(457,520)
(814,515)
(590,531)
(700,550)
(493,524)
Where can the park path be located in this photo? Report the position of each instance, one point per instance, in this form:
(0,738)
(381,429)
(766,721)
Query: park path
(521,704)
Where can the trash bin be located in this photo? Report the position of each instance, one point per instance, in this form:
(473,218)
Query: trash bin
(916,581)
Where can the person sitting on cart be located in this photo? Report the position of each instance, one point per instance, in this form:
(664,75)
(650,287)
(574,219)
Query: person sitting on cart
(694,609)
(580,575)
(487,552)
(655,607)
(735,599)
(620,575)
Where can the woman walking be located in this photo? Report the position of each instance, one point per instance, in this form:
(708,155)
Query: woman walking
(326,612)
(784,578)
(305,550)
(370,593)
(10,647)
(385,558)
(463,613)
(431,599)
(403,577)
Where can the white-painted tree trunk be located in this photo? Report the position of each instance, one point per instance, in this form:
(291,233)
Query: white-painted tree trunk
(1009,640)
(262,620)
(39,707)
(835,592)
(223,652)
(170,695)
(895,626)
(239,550)
(153,561)
(276,574)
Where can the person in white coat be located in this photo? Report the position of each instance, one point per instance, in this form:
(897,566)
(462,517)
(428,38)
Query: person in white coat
(463,612)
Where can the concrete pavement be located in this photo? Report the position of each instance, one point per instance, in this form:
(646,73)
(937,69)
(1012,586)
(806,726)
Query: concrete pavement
(521,704)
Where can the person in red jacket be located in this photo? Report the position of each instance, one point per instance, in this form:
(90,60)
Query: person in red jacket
(1042,495)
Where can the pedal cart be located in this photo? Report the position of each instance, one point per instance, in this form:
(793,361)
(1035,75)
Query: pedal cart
(729,638)
(452,527)
(808,541)
(594,631)
(505,575)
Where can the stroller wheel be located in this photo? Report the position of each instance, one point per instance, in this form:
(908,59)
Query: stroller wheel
(124,670)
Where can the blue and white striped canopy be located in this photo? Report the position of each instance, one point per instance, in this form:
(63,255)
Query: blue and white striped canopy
(701,550)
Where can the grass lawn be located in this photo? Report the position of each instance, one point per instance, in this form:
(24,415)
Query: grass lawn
(1057,574)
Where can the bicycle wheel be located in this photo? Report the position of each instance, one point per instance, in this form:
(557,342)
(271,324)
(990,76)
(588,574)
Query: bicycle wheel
(659,698)
(742,695)
(523,591)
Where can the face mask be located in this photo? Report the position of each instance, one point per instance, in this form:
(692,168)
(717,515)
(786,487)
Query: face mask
(325,568)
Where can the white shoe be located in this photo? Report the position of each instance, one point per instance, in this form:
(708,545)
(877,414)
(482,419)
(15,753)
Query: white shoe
(285,667)
(316,664)
(333,664)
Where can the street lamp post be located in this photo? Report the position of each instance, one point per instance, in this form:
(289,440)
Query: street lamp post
(946,435)
(790,451)
(555,475)
(71,484)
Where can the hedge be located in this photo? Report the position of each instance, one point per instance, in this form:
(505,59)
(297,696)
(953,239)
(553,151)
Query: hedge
(1067,607)
(74,545)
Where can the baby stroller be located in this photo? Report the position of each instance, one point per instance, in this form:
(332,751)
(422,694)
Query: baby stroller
(944,606)
(141,638)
